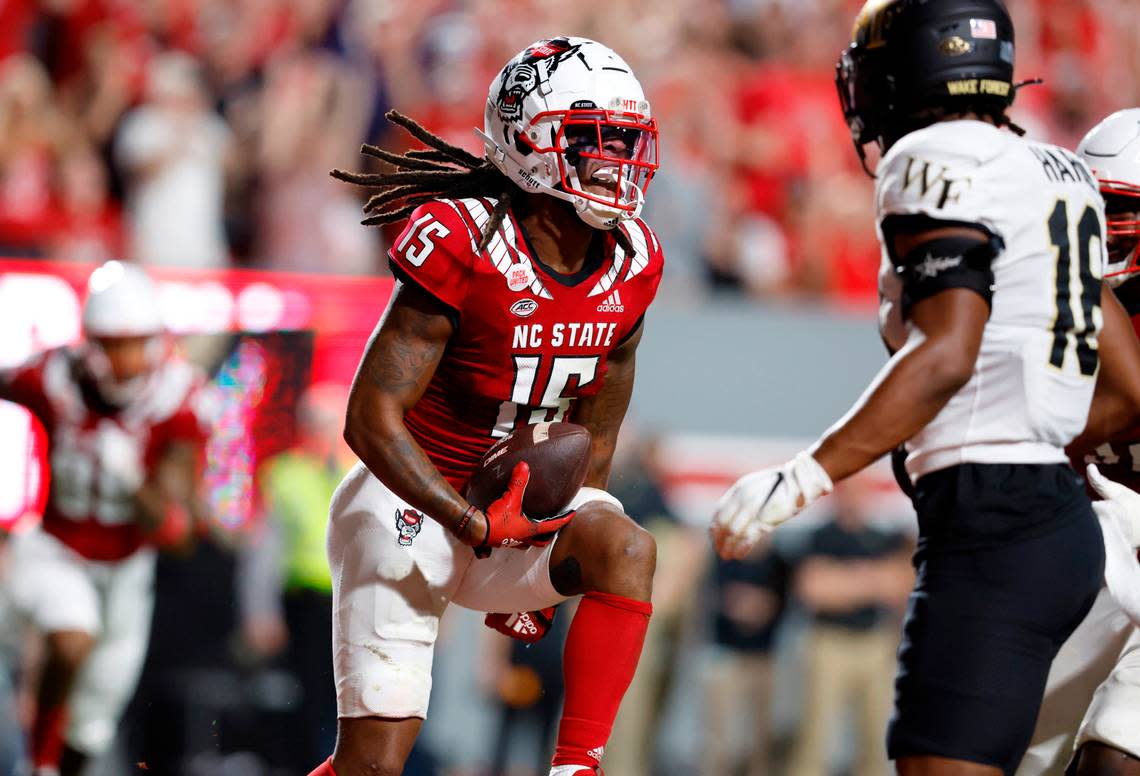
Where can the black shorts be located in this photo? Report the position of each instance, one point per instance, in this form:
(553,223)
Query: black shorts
(1010,559)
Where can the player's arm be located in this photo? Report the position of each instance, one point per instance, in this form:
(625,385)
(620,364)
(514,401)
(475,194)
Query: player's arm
(920,379)
(23,385)
(168,502)
(397,366)
(948,312)
(604,412)
(1116,402)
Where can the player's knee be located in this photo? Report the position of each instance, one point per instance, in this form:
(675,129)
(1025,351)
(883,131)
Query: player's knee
(629,547)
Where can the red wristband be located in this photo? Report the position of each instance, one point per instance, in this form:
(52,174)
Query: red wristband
(467,515)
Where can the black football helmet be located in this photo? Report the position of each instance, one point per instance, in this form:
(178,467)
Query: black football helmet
(908,59)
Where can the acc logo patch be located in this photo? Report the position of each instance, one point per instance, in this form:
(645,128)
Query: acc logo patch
(524,308)
(409,522)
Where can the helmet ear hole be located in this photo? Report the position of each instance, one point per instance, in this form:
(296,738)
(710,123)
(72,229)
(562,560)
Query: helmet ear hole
(521,146)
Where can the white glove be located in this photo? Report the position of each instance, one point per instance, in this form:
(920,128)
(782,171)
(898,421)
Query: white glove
(760,501)
(1127,499)
(1121,572)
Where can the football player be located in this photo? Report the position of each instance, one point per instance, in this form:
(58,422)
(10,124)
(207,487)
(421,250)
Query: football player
(1092,700)
(992,303)
(523,279)
(124,426)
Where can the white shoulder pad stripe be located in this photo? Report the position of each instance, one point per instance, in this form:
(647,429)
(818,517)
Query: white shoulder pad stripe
(536,287)
(453,206)
(606,281)
(640,258)
(497,249)
(652,235)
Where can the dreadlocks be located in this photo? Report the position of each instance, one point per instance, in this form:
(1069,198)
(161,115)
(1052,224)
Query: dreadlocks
(441,171)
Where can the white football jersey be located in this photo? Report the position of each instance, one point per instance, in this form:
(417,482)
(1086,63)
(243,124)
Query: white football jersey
(1033,381)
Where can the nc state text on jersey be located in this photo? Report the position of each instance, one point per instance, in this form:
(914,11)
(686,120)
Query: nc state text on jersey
(570,335)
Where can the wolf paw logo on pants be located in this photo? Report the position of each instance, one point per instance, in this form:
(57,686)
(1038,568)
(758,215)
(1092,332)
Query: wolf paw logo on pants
(408,524)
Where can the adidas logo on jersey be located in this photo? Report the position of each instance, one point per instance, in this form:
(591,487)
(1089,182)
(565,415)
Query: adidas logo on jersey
(597,752)
(612,304)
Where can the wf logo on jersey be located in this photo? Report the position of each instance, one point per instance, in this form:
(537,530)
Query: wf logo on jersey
(932,181)
(408,524)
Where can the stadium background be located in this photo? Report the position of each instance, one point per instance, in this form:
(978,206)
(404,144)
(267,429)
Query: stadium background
(763,332)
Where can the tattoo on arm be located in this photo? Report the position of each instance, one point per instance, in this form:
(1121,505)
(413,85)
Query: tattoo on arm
(397,367)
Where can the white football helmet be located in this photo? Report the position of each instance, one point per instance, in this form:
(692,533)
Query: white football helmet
(122,301)
(568,108)
(1112,151)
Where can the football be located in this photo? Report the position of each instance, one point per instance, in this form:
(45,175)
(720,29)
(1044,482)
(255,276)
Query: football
(558,455)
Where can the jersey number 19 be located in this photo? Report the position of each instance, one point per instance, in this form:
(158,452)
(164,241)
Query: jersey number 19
(1084,293)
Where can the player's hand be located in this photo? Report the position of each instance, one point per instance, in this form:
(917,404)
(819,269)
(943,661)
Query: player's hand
(507,526)
(760,501)
(1127,499)
(527,627)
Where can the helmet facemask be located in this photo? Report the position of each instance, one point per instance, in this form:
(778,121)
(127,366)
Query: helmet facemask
(1122,208)
(854,72)
(606,160)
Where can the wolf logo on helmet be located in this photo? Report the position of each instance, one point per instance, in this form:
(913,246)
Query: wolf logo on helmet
(516,84)
(522,75)
(540,134)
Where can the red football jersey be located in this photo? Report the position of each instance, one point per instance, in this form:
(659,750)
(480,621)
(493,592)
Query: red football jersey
(1120,460)
(528,340)
(98,459)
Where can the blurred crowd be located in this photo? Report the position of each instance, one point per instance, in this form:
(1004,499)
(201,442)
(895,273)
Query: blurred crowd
(200,132)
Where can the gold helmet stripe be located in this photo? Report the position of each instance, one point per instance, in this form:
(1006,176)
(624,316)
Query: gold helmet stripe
(868,29)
